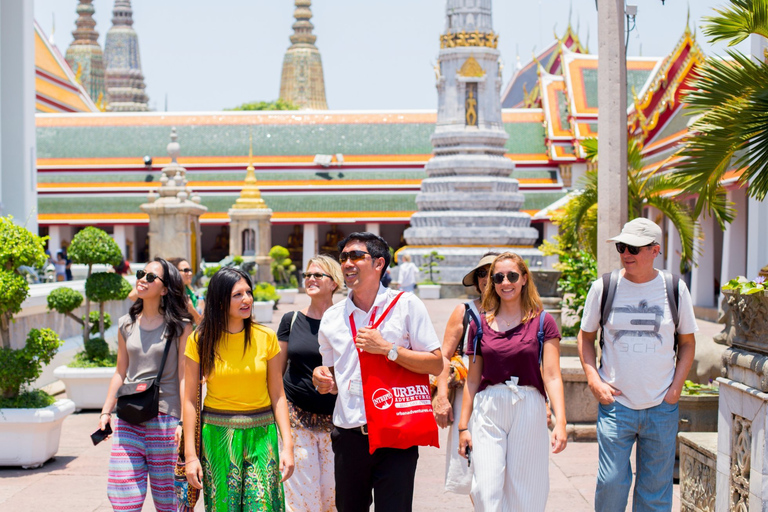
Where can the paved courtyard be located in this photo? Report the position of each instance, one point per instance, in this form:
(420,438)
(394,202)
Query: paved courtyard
(76,480)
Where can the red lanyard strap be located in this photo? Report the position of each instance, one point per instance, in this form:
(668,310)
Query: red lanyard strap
(373,324)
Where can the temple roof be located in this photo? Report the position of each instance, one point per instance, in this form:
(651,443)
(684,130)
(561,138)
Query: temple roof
(56,87)
(523,88)
(382,163)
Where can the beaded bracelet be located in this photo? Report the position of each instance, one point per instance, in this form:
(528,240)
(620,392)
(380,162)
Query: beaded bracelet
(105,414)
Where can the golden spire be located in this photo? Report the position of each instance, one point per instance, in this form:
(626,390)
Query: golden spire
(250,197)
(302,81)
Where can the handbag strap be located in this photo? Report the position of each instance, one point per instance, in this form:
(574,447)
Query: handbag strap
(165,356)
(540,334)
(198,422)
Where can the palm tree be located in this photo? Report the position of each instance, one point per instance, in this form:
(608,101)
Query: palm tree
(578,221)
(731,98)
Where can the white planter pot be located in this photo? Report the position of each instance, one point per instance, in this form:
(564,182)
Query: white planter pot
(429,291)
(262,311)
(87,387)
(287,295)
(29,437)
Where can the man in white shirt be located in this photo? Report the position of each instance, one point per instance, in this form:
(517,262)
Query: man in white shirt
(641,375)
(406,337)
(407,274)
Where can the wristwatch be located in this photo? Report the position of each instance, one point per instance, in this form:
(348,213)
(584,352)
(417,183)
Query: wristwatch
(392,354)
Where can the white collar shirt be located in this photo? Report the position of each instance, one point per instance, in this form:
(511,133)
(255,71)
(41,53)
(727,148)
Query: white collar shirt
(407,325)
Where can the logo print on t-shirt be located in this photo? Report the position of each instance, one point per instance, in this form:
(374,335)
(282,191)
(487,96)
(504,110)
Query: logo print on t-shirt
(644,321)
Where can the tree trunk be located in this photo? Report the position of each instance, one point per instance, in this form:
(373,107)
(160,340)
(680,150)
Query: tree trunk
(5,330)
(87,322)
(101,320)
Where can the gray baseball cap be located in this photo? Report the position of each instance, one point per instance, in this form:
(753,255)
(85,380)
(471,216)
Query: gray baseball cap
(639,232)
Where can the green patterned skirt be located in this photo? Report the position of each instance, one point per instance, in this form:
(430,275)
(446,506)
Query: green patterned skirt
(240,459)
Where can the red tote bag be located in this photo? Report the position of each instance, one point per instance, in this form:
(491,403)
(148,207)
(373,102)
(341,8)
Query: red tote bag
(398,403)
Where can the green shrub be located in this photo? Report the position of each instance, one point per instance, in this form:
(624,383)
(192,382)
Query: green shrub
(64,300)
(430,267)
(93,245)
(283,269)
(19,246)
(264,292)
(209,271)
(237,260)
(106,286)
(94,317)
(21,367)
(96,354)
(96,348)
(33,399)
(13,291)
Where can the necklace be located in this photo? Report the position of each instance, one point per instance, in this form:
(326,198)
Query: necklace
(509,323)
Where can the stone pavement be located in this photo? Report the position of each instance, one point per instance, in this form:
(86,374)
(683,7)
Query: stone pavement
(76,479)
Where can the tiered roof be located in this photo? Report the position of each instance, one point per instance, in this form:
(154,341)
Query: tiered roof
(56,86)
(382,154)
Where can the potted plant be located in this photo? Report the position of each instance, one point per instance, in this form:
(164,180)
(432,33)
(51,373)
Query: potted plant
(284,273)
(264,299)
(429,289)
(30,420)
(747,303)
(86,378)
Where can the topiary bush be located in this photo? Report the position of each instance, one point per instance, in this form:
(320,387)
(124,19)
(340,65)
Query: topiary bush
(95,322)
(96,354)
(264,292)
(283,269)
(92,246)
(20,367)
(106,286)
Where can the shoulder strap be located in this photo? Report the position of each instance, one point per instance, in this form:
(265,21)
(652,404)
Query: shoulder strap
(474,314)
(610,282)
(540,335)
(293,321)
(165,356)
(673,294)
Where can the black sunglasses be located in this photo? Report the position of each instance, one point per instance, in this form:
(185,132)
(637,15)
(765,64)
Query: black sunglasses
(512,277)
(353,255)
(149,275)
(316,275)
(633,250)
(185,270)
(481,273)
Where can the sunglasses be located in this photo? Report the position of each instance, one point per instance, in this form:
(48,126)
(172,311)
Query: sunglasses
(633,250)
(149,275)
(185,270)
(512,277)
(316,275)
(352,255)
(481,273)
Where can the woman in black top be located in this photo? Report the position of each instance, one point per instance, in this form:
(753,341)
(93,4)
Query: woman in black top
(312,486)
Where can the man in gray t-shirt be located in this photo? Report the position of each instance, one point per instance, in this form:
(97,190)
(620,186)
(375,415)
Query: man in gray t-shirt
(641,375)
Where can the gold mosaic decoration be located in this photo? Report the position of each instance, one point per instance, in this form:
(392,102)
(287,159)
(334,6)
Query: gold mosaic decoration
(471,69)
(463,38)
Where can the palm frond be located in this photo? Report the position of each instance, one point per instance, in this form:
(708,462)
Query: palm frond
(744,17)
(590,149)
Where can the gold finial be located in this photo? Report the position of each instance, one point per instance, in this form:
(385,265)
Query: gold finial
(250,197)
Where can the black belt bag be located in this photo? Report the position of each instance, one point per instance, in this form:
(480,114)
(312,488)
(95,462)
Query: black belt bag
(138,402)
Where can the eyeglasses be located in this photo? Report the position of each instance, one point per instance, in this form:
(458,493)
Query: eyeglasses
(316,275)
(149,275)
(633,250)
(353,255)
(481,273)
(185,270)
(512,277)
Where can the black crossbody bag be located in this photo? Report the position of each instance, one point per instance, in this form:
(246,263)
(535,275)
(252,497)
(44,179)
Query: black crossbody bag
(138,402)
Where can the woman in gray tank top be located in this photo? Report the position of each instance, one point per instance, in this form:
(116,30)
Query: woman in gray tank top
(149,449)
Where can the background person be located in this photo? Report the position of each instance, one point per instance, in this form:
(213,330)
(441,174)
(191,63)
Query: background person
(194,305)
(149,449)
(312,486)
(640,377)
(503,416)
(458,476)
(407,338)
(239,467)
(407,274)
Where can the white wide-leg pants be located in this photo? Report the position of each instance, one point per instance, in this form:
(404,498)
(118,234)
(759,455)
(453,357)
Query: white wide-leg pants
(510,456)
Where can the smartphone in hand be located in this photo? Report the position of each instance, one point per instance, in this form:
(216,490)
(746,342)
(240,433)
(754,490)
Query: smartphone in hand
(100,435)
(469,455)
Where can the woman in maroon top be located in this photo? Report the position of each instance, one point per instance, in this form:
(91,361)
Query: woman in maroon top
(503,418)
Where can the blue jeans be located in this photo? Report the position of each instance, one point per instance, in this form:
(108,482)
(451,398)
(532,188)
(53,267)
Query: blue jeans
(655,430)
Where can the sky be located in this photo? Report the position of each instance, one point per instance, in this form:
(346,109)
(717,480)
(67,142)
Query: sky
(377,54)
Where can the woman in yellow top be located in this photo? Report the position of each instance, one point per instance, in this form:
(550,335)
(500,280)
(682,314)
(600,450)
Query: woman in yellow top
(239,467)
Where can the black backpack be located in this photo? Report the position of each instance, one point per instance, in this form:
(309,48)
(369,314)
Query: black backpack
(611,281)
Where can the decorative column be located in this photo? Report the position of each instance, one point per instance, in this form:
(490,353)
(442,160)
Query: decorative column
(250,228)
(703,274)
(309,244)
(469,203)
(612,126)
(174,216)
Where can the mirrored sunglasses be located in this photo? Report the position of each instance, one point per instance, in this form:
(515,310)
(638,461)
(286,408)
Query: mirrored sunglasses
(352,255)
(512,277)
(316,275)
(185,270)
(481,273)
(150,276)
